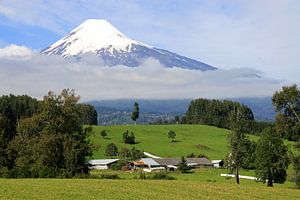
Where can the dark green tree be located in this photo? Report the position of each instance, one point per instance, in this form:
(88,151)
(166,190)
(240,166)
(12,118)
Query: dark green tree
(287,104)
(128,138)
(111,150)
(183,166)
(89,114)
(171,135)
(238,143)
(52,142)
(271,158)
(103,133)
(136,112)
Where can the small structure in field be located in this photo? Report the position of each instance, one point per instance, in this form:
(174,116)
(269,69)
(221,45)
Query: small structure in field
(218,163)
(102,163)
(153,164)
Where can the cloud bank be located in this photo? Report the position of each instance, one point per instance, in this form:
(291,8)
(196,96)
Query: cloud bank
(25,72)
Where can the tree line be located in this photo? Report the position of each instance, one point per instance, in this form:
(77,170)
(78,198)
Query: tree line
(216,112)
(44,138)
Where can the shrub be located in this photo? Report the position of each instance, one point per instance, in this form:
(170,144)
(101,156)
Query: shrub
(110,176)
(162,176)
(119,165)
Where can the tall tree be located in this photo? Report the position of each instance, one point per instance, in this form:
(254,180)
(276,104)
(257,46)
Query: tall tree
(271,158)
(136,112)
(287,104)
(238,143)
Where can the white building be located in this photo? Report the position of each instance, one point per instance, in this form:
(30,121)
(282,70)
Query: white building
(102,163)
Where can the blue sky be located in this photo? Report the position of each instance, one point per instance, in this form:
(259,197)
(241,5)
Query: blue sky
(262,35)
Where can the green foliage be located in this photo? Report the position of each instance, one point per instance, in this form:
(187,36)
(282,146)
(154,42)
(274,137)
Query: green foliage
(162,175)
(215,112)
(111,150)
(239,144)
(287,104)
(271,158)
(136,112)
(88,114)
(132,154)
(191,155)
(183,166)
(109,176)
(51,143)
(171,135)
(128,139)
(103,133)
(119,165)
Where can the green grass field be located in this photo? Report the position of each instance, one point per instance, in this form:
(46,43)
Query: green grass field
(32,189)
(197,139)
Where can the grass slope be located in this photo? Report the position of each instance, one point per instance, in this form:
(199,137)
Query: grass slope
(208,140)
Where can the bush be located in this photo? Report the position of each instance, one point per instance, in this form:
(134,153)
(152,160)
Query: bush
(110,176)
(162,176)
(142,175)
(119,165)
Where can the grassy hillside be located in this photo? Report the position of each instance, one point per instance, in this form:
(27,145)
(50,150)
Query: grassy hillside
(136,189)
(197,139)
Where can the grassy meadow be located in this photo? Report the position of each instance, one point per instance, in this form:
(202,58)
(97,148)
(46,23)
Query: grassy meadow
(153,139)
(32,189)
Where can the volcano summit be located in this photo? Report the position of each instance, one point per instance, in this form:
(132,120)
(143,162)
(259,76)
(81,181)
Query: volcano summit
(102,38)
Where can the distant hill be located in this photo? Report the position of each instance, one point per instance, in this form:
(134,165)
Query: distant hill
(197,139)
(118,111)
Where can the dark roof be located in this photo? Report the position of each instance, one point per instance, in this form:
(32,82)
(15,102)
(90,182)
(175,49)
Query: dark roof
(176,161)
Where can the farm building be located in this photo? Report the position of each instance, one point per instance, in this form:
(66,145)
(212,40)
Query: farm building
(102,163)
(151,164)
(218,163)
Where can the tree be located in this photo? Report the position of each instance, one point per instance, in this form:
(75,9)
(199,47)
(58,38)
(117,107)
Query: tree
(171,135)
(215,112)
(136,154)
(111,150)
(51,142)
(238,143)
(103,133)
(136,111)
(128,139)
(287,104)
(271,158)
(183,166)
(89,114)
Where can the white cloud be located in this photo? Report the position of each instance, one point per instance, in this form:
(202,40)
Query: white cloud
(92,80)
(15,52)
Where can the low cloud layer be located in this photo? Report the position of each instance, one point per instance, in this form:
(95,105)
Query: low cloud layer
(25,72)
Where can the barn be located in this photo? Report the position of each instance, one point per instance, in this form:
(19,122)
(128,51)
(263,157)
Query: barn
(102,163)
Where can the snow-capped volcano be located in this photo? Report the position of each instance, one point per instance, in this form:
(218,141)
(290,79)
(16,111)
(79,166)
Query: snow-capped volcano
(100,37)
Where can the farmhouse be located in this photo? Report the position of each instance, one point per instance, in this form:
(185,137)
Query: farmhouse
(102,163)
(151,164)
